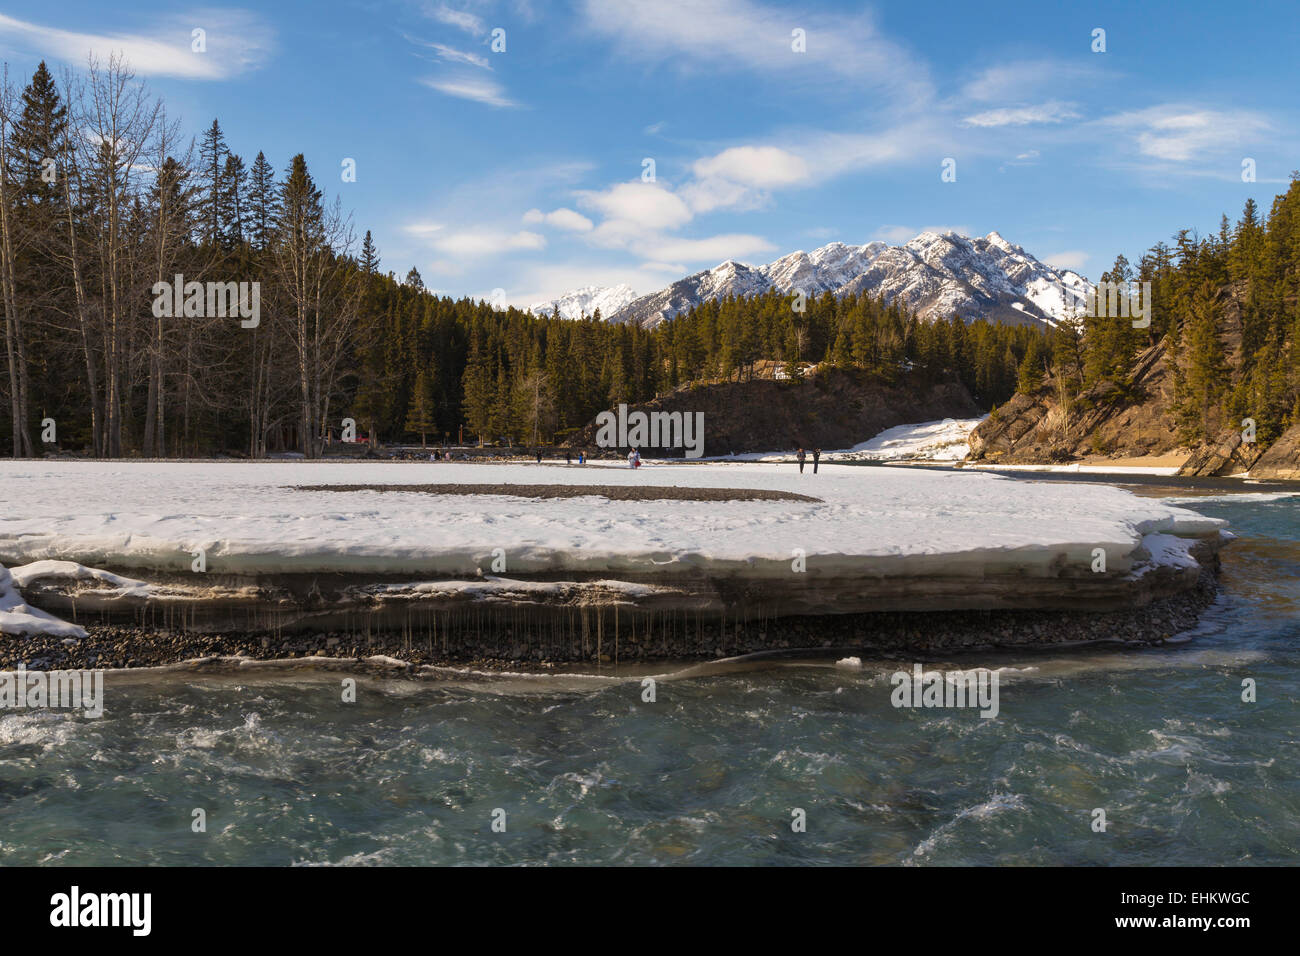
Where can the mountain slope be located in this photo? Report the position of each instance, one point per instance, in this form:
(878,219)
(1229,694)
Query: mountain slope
(585,301)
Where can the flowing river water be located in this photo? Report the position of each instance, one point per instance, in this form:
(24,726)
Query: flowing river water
(581,769)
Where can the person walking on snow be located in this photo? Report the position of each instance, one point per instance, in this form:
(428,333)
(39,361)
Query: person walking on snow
(801,458)
(817,454)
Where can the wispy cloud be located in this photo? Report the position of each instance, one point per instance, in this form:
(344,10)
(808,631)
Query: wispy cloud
(450,54)
(1074,259)
(478,89)
(1028,79)
(743,35)
(1050,112)
(461,19)
(236,41)
(1180,134)
(474,243)
(560,219)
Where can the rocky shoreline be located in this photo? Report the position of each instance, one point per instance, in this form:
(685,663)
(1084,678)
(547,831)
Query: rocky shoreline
(117,646)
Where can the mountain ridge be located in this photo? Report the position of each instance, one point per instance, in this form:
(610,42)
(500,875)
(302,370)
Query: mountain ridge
(939,274)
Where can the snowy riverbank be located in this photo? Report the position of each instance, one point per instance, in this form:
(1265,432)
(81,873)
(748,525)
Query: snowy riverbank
(227,547)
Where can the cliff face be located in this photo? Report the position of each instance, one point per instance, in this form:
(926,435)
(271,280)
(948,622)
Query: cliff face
(836,408)
(1282,460)
(1102,421)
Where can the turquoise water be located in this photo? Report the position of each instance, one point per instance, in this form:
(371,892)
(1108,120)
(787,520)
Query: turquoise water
(587,772)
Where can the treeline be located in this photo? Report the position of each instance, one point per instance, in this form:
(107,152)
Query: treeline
(1228,309)
(103,203)
(435,364)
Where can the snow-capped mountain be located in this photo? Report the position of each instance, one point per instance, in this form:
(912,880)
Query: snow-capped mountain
(585,301)
(939,275)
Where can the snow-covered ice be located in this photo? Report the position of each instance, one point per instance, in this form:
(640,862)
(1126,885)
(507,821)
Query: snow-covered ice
(248,519)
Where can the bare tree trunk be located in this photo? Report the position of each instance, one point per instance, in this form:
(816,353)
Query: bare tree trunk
(120,123)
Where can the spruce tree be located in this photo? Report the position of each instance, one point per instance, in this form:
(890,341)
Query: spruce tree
(233,208)
(212,163)
(263,203)
(369,256)
(422,415)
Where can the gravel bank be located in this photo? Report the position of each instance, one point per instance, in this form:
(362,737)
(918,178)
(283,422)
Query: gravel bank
(125,646)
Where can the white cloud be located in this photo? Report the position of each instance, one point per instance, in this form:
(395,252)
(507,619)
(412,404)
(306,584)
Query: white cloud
(560,218)
(478,89)
(237,42)
(1050,112)
(1028,78)
(422,230)
(472,243)
(1180,134)
(740,34)
(640,206)
(461,19)
(1074,259)
(452,55)
(739,177)
(762,166)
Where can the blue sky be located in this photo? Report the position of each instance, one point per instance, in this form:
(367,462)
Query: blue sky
(522,169)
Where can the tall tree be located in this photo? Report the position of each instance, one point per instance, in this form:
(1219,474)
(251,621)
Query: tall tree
(263,202)
(212,164)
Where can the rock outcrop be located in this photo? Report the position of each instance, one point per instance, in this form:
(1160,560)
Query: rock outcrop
(1282,459)
(1228,455)
(1104,420)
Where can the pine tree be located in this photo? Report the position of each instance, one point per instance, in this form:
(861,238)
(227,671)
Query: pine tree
(212,162)
(477,386)
(1029,378)
(422,415)
(369,256)
(263,203)
(233,208)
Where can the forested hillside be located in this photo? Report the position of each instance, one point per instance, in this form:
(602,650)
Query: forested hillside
(1221,349)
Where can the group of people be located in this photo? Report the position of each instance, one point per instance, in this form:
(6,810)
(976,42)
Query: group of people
(816,457)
